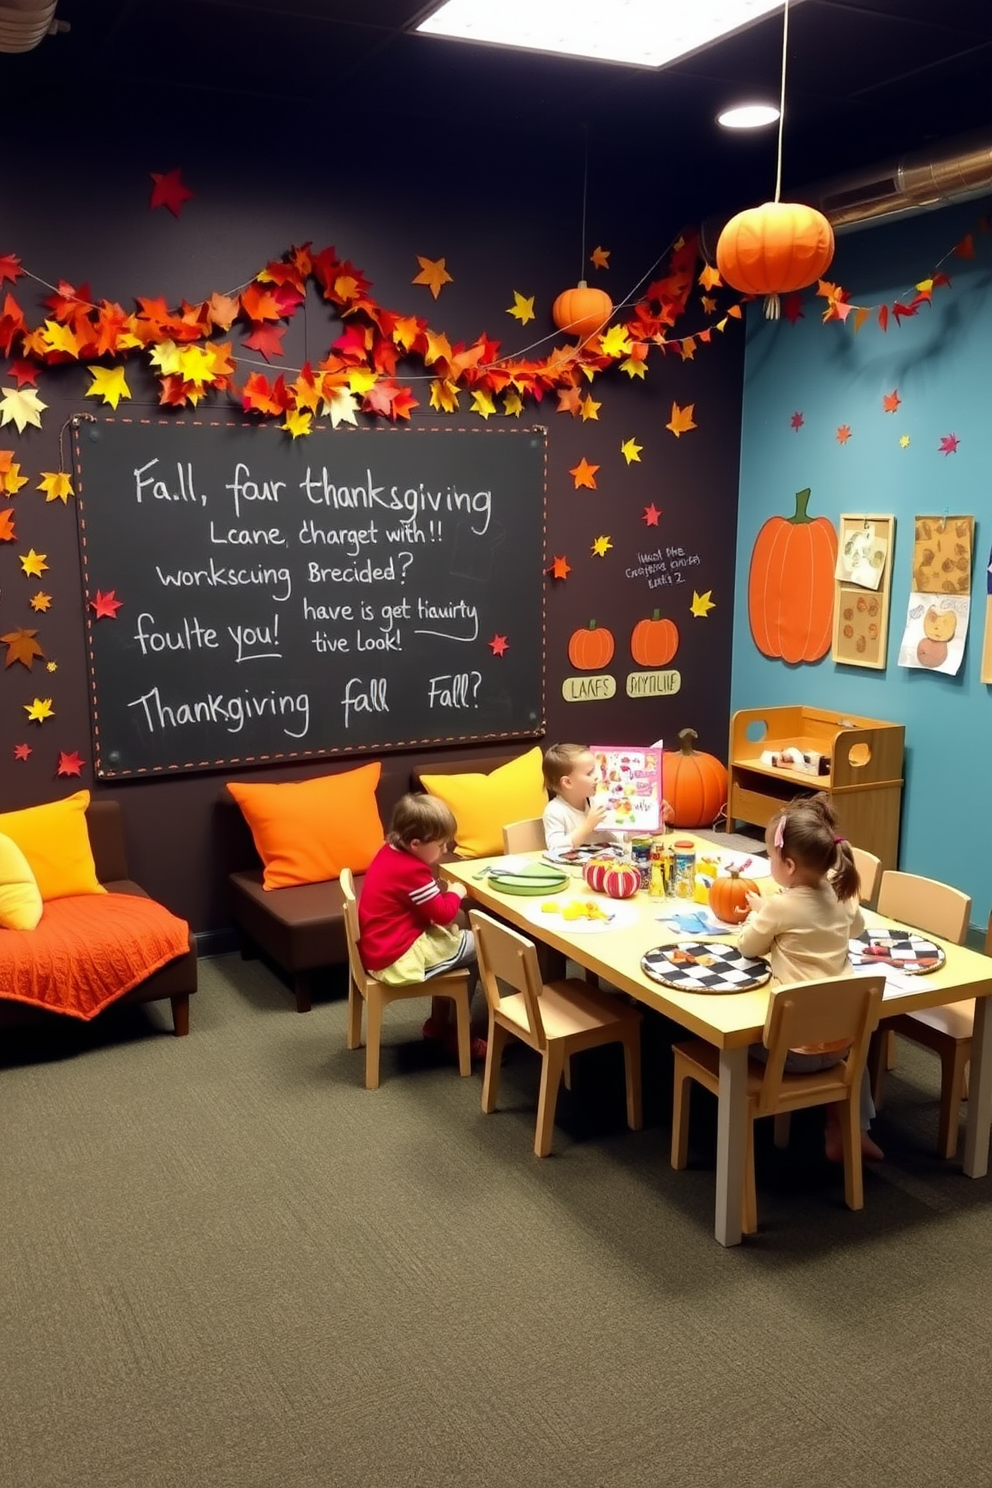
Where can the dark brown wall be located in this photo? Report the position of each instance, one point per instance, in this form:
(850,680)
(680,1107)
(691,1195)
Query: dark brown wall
(504,219)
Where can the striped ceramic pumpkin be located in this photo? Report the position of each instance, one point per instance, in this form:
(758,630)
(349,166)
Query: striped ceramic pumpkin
(595,872)
(621,881)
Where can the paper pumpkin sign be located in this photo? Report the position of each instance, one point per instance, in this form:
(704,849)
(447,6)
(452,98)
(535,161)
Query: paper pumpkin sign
(790,591)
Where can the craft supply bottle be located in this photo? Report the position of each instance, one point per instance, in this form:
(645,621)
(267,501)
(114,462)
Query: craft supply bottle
(684,868)
(658,881)
(640,852)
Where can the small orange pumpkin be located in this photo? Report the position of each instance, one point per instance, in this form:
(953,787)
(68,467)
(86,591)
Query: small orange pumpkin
(621,881)
(654,642)
(590,649)
(582,311)
(728,897)
(695,783)
(790,588)
(774,249)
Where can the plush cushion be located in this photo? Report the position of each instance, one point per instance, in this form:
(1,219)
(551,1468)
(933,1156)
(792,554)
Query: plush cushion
(306,831)
(483,804)
(20,897)
(56,844)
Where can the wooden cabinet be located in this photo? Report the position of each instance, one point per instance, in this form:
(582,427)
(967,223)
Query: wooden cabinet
(865,771)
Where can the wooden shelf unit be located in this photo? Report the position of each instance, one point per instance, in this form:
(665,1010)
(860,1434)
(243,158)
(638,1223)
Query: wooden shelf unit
(865,779)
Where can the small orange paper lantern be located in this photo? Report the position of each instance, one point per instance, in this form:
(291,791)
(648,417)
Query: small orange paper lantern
(774,249)
(582,311)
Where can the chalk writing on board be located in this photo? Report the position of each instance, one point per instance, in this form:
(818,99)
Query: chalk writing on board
(283,602)
(662,566)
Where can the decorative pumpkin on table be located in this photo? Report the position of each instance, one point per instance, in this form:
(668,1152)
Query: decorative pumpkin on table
(582,311)
(654,642)
(728,897)
(775,249)
(591,649)
(790,588)
(620,881)
(695,783)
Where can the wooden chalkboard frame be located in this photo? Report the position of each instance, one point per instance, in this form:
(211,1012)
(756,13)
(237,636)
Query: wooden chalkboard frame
(154,495)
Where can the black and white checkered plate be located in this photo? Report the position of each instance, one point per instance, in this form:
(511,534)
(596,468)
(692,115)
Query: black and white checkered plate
(904,949)
(704,966)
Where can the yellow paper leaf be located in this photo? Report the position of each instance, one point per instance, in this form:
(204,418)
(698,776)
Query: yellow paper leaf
(634,367)
(341,405)
(702,604)
(39,710)
(590,410)
(406,331)
(298,422)
(681,420)
(165,356)
(522,308)
(631,451)
(615,341)
(11,479)
(109,384)
(709,278)
(57,486)
(444,396)
(58,337)
(21,406)
(438,349)
(360,380)
(482,403)
(513,404)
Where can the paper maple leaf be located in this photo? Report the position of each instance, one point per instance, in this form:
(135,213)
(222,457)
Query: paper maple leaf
(709,278)
(169,191)
(891,401)
(11,479)
(796,422)
(569,401)
(432,273)
(267,339)
(681,420)
(10,267)
(7,532)
(949,444)
(41,602)
(513,404)
(21,646)
(615,342)
(600,258)
(39,710)
(522,308)
(499,645)
(388,397)
(110,384)
(651,515)
(482,403)
(444,395)
(590,409)
(341,405)
(298,422)
(702,604)
(584,474)
(843,434)
(601,546)
(21,406)
(33,563)
(57,486)
(106,605)
(69,763)
(560,568)
(631,451)
(22,751)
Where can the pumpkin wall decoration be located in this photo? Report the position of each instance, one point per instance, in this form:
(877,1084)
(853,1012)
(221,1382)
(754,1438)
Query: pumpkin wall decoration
(774,249)
(654,642)
(582,311)
(790,589)
(591,649)
(695,783)
(728,897)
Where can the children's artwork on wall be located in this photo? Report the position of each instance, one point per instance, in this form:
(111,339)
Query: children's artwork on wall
(940,604)
(863,590)
(790,592)
(987,648)
(628,784)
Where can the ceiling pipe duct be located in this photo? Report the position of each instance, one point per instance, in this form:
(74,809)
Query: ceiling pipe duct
(952,171)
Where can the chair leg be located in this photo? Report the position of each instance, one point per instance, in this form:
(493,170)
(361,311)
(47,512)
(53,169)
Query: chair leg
(890,1049)
(180,1014)
(953,1065)
(850,1132)
(495,1044)
(354,1015)
(877,1051)
(566,1072)
(680,1115)
(373,1038)
(632,1073)
(464,1034)
(301,987)
(749,1207)
(551,1069)
(780,1128)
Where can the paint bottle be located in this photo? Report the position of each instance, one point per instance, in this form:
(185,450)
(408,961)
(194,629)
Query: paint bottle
(683,868)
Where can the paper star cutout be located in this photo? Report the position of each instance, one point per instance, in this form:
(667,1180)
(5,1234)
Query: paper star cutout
(109,384)
(584,474)
(39,710)
(57,486)
(949,444)
(843,434)
(709,278)
(513,404)
(702,604)
(40,601)
(891,401)
(651,515)
(708,303)
(51,666)
(22,751)
(432,273)
(7,532)
(631,451)
(169,191)
(522,308)
(590,410)
(796,422)
(482,403)
(904,441)
(601,547)
(681,420)
(560,568)
(22,406)
(34,563)
(498,645)
(569,401)
(106,605)
(21,646)
(600,258)
(69,763)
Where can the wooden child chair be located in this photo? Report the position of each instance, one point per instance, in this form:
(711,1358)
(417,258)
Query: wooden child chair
(364,989)
(869,870)
(524,836)
(557,1019)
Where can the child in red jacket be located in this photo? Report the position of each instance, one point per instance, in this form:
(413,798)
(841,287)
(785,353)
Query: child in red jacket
(406,921)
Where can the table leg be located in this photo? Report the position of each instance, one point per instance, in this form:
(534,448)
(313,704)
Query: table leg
(731,1136)
(976,1134)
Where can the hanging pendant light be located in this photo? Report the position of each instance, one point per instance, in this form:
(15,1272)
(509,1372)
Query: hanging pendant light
(780,246)
(582,311)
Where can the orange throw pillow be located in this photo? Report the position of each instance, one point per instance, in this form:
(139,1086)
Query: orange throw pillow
(306,831)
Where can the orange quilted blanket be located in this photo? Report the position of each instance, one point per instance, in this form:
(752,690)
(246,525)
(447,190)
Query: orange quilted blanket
(88,950)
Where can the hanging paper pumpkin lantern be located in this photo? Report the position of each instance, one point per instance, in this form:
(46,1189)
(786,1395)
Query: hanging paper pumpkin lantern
(790,588)
(582,311)
(695,784)
(728,897)
(774,249)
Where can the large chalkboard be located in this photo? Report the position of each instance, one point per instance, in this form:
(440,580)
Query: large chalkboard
(357,589)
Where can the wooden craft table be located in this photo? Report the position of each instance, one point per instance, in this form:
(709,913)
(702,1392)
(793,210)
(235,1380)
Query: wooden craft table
(733,1021)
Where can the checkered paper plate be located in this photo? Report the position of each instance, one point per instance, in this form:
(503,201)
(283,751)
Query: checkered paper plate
(704,966)
(903,949)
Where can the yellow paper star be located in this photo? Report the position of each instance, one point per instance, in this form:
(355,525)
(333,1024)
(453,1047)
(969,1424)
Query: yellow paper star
(432,273)
(109,384)
(513,403)
(298,422)
(56,485)
(709,278)
(600,258)
(702,604)
(631,450)
(21,406)
(601,547)
(590,410)
(39,710)
(522,308)
(34,563)
(904,441)
(51,666)
(482,403)
(615,341)
(41,601)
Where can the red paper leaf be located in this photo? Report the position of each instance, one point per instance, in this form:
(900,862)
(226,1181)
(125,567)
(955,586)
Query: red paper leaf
(7,533)
(169,191)
(22,751)
(70,763)
(106,605)
(267,339)
(10,267)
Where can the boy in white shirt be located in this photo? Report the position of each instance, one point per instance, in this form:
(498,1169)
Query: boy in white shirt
(569,819)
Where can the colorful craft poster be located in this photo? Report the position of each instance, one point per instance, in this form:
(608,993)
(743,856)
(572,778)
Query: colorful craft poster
(628,784)
(940,603)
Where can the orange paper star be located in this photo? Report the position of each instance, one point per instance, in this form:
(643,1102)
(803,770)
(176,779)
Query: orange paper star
(681,420)
(600,258)
(560,568)
(709,278)
(843,433)
(432,273)
(584,474)
(69,763)
(891,401)
(40,601)
(498,645)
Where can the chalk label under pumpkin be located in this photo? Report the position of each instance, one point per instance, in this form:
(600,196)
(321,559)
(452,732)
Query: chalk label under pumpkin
(589,689)
(653,684)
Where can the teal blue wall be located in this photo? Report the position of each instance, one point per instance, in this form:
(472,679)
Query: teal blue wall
(941,364)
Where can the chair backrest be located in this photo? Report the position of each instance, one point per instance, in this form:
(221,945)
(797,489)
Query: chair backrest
(358,973)
(506,956)
(803,1013)
(926,904)
(524,836)
(869,871)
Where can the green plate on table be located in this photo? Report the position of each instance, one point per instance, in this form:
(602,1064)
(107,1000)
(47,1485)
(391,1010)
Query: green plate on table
(536,878)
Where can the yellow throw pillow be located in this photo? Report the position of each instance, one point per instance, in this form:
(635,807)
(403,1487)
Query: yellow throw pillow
(56,844)
(306,831)
(20,897)
(483,804)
